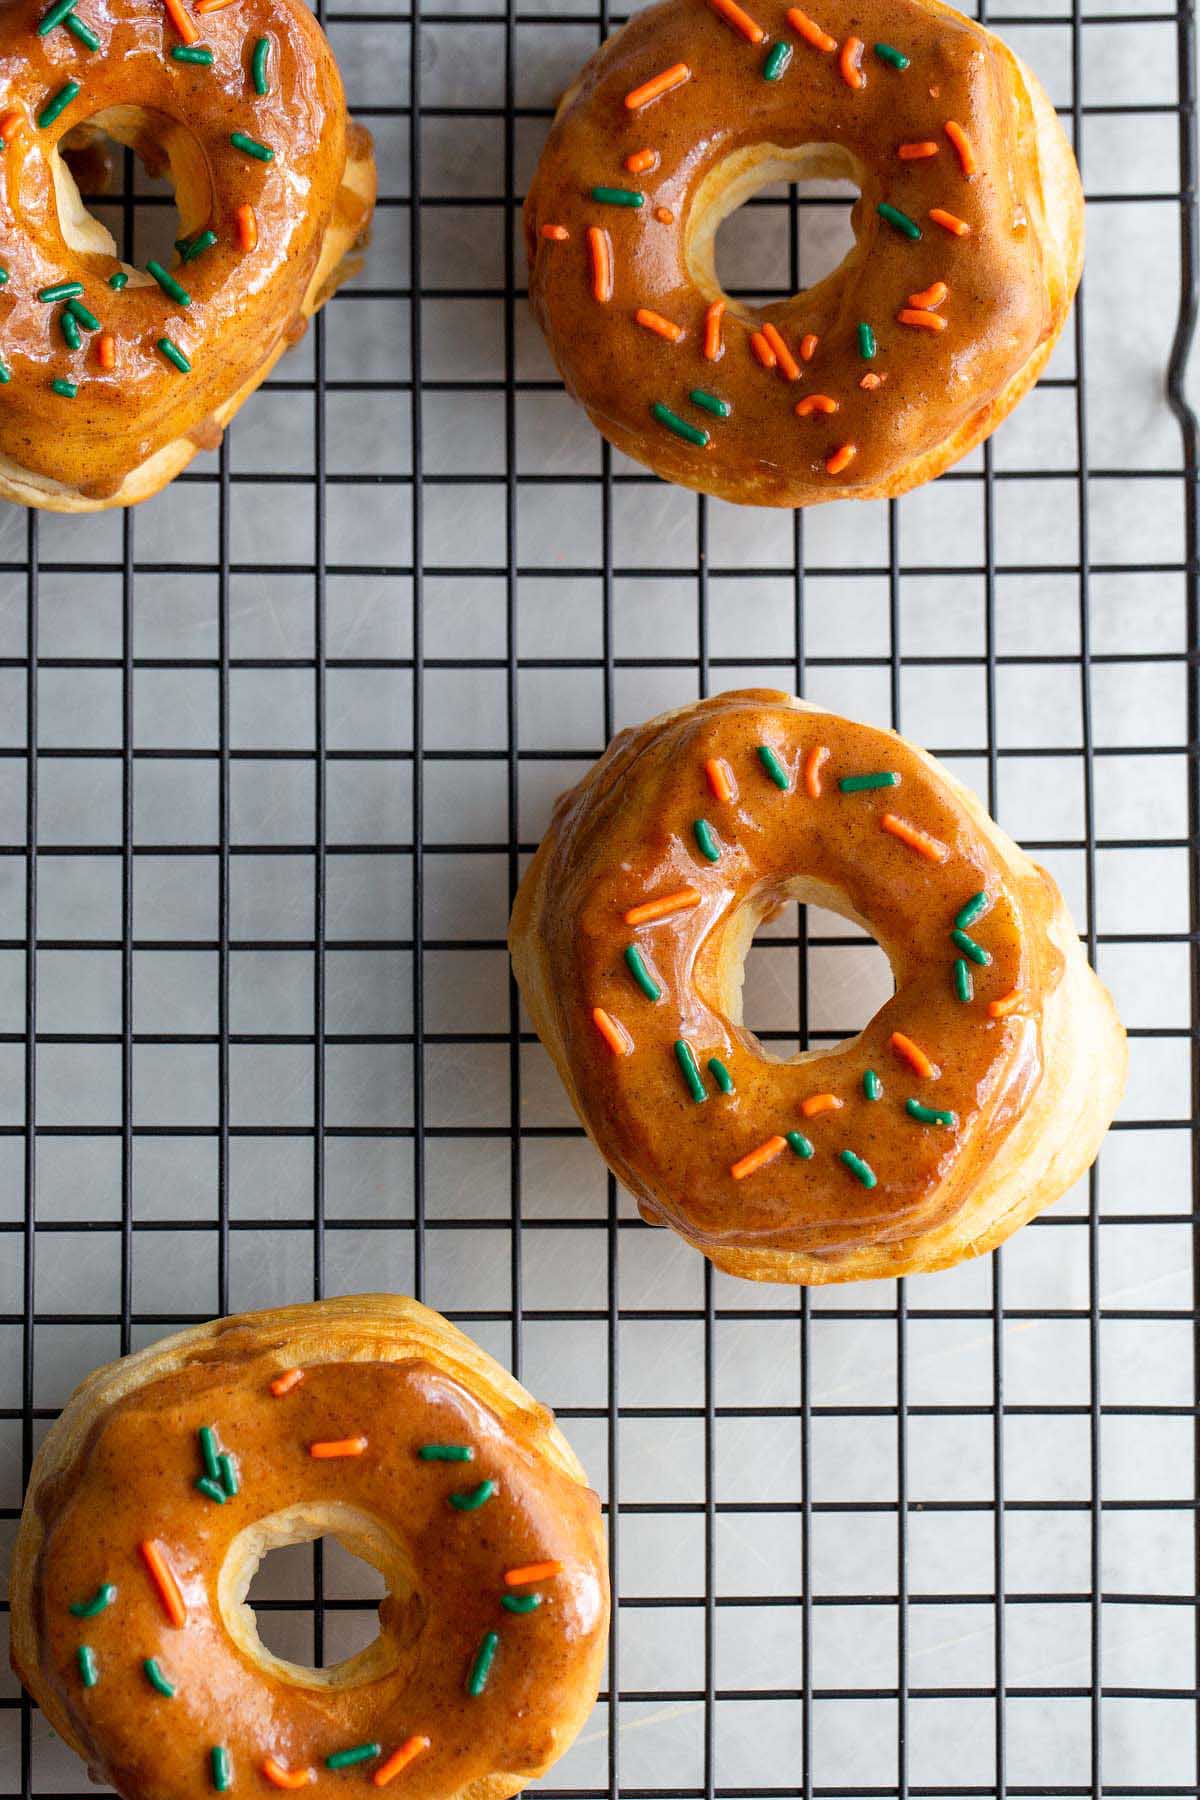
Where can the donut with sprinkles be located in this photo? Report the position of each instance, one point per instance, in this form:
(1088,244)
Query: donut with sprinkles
(368,1419)
(975,1096)
(968,243)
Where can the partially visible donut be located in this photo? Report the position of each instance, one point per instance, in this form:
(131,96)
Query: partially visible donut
(969,243)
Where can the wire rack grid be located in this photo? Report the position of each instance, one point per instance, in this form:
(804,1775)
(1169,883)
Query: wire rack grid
(275,749)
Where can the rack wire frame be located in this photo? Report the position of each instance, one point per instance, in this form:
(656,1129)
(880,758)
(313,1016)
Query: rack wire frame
(31,1238)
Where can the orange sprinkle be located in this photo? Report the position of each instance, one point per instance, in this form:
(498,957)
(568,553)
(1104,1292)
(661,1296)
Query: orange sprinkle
(850,63)
(808,346)
(812,770)
(787,362)
(810,31)
(211,6)
(614,1034)
(280,1777)
(283,1384)
(871,381)
(10,124)
(531,1572)
(820,1103)
(916,152)
(163,1576)
(720,778)
(653,321)
(683,901)
(948,222)
(247,228)
(920,841)
(328,1448)
(841,459)
(930,297)
(1000,1009)
(714,349)
(816,403)
(664,215)
(762,350)
(640,161)
(558,234)
(962,144)
(741,21)
(106,350)
(914,1056)
(923,321)
(399,1759)
(656,87)
(600,249)
(181,21)
(758,1159)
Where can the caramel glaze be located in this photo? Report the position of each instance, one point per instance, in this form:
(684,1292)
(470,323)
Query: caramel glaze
(241,303)
(625,836)
(998,309)
(134,1479)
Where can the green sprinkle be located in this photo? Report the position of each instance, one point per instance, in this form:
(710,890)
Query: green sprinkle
(709,846)
(82,316)
(720,1074)
(222,1768)
(5,375)
(481,1668)
(446,1453)
(157,1679)
(229,1475)
(57,103)
(964,987)
(774,767)
(618,196)
(212,1489)
(970,948)
(691,434)
(641,974)
(778,58)
(346,1759)
(520,1603)
(975,905)
(872,1086)
(175,355)
(471,1499)
(88,1670)
(929,1115)
(862,784)
(858,1168)
(686,1058)
(66,389)
(102,1598)
(204,241)
(54,16)
(258,66)
(711,403)
(866,342)
(889,54)
(251,146)
(84,33)
(68,326)
(800,1144)
(192,53)
(118,279)
(907,227)
(3,276)
(168,284)
(209,1452)
(60,290)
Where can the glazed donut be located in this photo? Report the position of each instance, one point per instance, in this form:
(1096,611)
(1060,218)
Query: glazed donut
(973,1099)
(969,243)
(172,1472)
(114,376)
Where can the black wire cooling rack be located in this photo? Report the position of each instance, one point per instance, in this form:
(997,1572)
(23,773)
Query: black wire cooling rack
(701,1692)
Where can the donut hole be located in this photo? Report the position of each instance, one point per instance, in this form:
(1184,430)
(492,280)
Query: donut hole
(165,195)
(797,234)
(270,1565)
